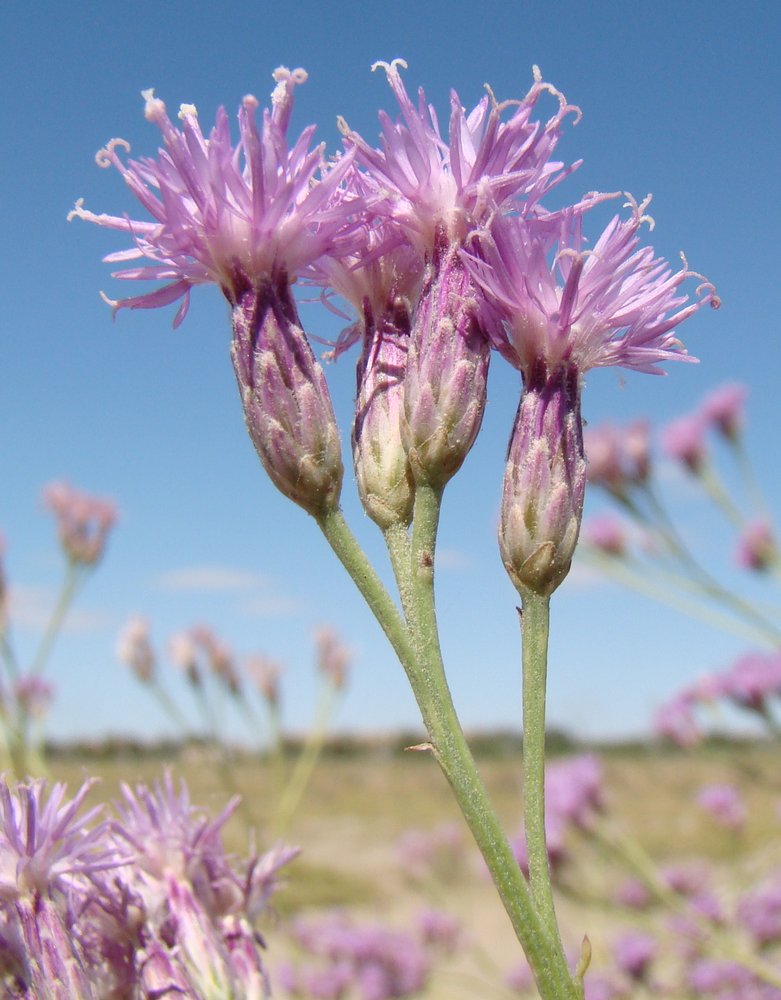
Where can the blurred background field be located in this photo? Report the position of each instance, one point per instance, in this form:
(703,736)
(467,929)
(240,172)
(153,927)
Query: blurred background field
(367,803)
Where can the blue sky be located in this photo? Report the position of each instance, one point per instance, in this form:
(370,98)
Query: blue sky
(678,99)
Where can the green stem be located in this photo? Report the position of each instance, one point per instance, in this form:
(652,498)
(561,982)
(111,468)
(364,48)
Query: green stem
(536,929)
(70,584)
(418,651)
(305,765)
(535,625)
(658,584)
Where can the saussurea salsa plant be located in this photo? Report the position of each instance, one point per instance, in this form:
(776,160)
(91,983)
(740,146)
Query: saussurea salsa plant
(448,256)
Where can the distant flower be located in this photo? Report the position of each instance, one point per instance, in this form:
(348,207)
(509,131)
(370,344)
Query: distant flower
(607,534)
(266,674)
(634,894)
(617,457)
(440,929)
(385,963)
(34,695)
(683,439)
(677,721)
(723,408)
(219,657)
(83,522)
(333,657)
(134,648)
(724,803)
(184,654)
(752,679)
(759,912)
(633,952)
(757,548)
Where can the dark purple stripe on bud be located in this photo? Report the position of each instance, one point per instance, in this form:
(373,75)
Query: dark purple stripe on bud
(447,369)
(287,406)
(382,470)
(544,481)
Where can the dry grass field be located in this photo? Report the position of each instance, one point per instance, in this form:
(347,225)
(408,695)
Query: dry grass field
(358,807)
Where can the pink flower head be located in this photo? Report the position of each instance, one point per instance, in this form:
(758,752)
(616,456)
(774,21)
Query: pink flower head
(684,440)
(756,548)
(633,952)
(333,657)
(617,457)
(677,721)
(83,522)
(429,186)
(266,675)
(724,409)
(614,305)
(752,679)
(134,649)
(45,845)
(607,534)
(724,803)
(231,215)
(34,695)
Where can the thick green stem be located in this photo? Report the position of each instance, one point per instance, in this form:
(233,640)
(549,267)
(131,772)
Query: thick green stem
(417,647)
(535,930)
(535,623)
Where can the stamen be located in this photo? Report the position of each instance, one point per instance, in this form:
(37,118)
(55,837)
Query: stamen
(106,156)
(391,68)
(154,108)
(187,111)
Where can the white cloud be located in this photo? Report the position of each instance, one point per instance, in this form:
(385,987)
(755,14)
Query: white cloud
(211,578)
(452,559)
(266,605)
(31,607)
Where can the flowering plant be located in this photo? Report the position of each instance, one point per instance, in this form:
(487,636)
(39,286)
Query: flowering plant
(84,523)
(446,252)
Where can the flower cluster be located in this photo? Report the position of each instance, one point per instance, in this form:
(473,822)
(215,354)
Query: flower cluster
(445,250)
(142,905)
(83,522)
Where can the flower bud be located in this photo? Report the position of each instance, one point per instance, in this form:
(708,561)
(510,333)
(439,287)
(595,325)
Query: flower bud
(287,406)
(544,481)
(447,369)
(382,470)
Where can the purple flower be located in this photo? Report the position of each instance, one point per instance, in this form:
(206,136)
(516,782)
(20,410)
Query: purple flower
(83,522)
(607,534)
(430,195)
(615,305)
(677,721)
(333,657)
(724,409)
(633,953)
(752,679)
(757,548)
(724,803)
(759,912)
(430,187)
(134,649)
(618,457)
(249,219)
(634,894)
(232,216)
(684,440)
(45,846)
